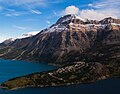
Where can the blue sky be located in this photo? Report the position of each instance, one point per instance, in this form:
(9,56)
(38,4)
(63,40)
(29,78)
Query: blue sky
(19,17)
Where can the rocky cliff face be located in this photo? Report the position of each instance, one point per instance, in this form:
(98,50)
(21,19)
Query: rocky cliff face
(66,40)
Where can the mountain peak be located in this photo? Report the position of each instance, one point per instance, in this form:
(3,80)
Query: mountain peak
(73,22)
(69,17)
(65,40)
(110,20)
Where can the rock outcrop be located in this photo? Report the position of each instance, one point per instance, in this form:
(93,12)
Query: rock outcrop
(79,72)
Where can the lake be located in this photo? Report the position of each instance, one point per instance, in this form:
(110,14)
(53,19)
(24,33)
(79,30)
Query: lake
(10,69)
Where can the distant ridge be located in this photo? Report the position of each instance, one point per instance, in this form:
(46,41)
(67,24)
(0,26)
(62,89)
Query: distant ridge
(66,40)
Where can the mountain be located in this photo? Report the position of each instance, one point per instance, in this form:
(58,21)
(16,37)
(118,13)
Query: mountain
(68,40)
(88,50)
(7,41)
(10,40)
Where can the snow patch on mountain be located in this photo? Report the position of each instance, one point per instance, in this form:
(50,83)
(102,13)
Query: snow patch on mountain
(7,41)
(29,34)
(115,24)
(73,22)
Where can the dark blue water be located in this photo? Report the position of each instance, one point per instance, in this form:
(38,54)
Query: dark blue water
(10,69)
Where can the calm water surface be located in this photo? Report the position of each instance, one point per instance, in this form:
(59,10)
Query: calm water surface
(10,69)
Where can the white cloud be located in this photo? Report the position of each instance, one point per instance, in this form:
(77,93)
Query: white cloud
(29,6)
(19,27)
(35,12)
(54,12)
(28,3)
(90,5)
(11,13)
(1,8)
(95,13)
(106,4)
(48,22)
(107,7)
(71,10)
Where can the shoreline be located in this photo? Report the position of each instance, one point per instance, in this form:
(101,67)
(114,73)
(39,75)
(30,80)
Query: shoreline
(67,84)
(79,72)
